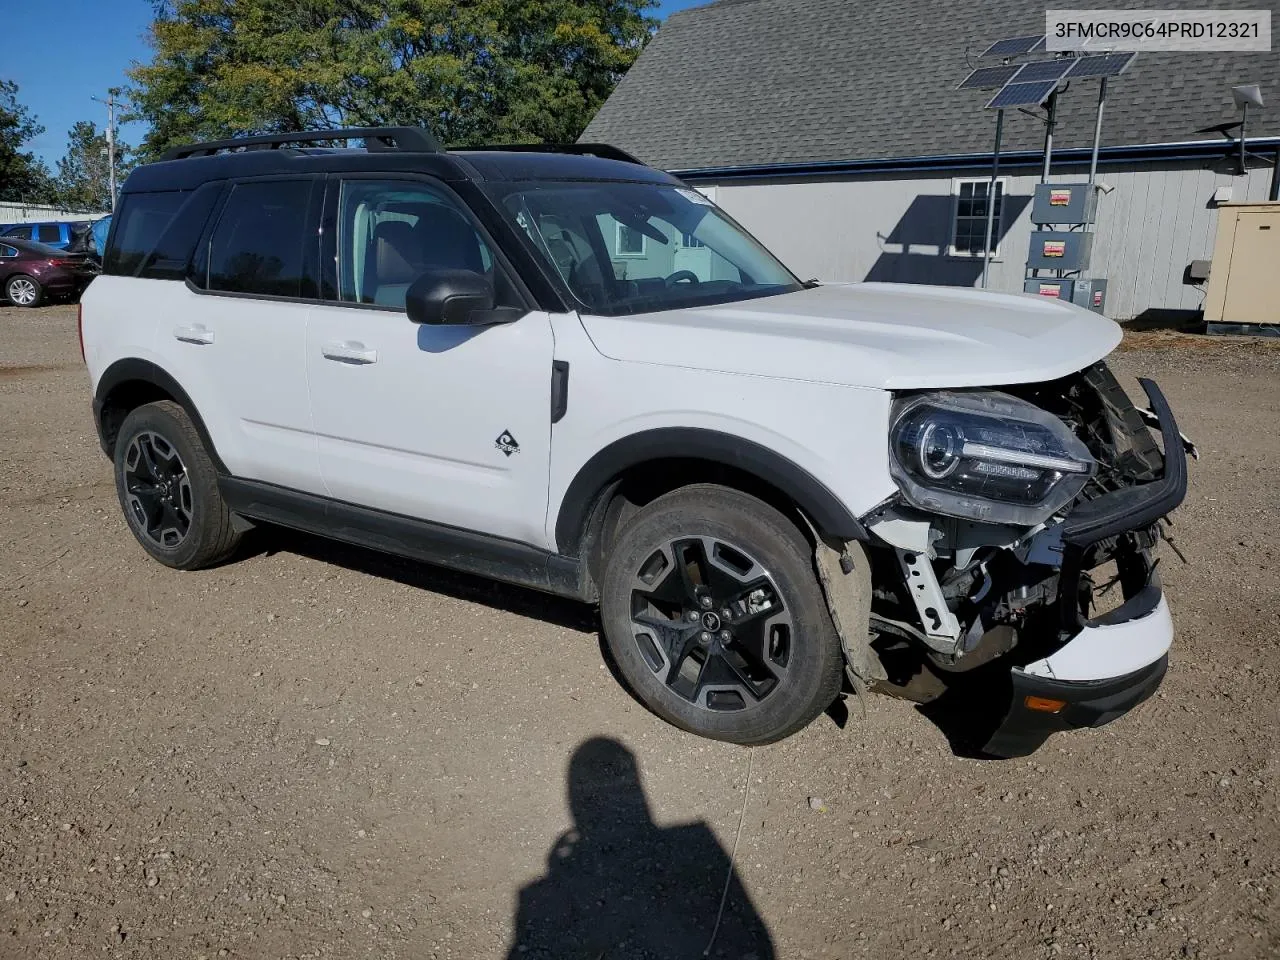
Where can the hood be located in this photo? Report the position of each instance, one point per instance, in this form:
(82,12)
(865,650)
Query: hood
(887,336)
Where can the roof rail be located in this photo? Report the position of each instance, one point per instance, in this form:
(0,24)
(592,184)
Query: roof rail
(377,140)
(602,150)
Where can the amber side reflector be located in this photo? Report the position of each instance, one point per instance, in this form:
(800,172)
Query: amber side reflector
(1044,704)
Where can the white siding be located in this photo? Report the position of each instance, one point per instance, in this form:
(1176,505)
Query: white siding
(1155,222)
(34,213)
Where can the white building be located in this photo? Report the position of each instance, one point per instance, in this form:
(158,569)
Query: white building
(834,131)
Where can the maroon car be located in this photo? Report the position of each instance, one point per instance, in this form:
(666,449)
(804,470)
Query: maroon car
(30,272)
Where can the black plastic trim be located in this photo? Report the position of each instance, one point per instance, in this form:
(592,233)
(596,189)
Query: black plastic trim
(559,390)
(444,546)
(1134,508)
(1089,704)
(822,506)
(144,371)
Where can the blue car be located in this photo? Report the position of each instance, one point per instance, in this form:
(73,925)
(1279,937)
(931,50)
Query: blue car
(57,235)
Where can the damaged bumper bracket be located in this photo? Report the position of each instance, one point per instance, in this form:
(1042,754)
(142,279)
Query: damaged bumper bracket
(1111,663)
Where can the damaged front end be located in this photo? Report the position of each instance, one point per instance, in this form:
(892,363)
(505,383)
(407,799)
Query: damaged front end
(1013,577)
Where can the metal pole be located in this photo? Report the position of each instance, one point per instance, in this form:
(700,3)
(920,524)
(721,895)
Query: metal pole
(1244,118)
(1097,131)
(111,145)
(1275,177)
(991,199)
(1048,135)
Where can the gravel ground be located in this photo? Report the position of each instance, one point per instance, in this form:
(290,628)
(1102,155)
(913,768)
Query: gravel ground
(316,751)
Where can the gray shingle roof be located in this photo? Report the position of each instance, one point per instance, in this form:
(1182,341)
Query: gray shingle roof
(750,82)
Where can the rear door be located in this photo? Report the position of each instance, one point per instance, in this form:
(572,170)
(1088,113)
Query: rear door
(239,340)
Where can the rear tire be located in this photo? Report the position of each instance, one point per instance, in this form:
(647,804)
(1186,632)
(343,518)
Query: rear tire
(714,615)
(168,489)
(24,291)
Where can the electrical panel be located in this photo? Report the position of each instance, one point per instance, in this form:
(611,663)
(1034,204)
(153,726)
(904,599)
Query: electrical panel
(1064,204)
(1063,250)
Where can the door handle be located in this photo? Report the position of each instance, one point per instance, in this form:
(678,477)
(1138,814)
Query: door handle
(196,333)
(349,351)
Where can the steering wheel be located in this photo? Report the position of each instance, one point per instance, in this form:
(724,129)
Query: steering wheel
(682,276)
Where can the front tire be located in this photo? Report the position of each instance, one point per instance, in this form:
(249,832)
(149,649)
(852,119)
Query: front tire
(24,291)
(714,615)
(168,489)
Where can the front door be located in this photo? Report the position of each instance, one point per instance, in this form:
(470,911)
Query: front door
(443,423)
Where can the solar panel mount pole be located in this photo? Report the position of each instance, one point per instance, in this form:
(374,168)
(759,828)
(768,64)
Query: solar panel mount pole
(1048,135)
(1097,132)
(991,200)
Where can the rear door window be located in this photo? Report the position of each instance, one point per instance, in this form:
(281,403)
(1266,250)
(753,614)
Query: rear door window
(258,245)
(49,233)
(141,219)
(21,232)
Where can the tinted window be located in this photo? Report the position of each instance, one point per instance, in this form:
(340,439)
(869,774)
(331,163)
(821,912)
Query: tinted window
(22,232)
(49,233)
(172,254)
(7,251)
(390,232)
(141,219)
(258,244)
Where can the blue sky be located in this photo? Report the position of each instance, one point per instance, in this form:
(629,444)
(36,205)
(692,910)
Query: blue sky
(94,43)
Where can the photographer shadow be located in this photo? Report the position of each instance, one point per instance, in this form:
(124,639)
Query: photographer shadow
(619,887)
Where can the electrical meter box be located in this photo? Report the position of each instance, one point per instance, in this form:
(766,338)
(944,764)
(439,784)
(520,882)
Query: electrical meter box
(1060,250)
(1064,203)
(1090,294)
(1050,287)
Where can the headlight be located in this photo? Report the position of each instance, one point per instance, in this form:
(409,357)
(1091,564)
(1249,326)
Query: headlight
(985,456)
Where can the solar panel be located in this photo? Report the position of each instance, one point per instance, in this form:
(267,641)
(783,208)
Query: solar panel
(989,78)
(1111,65)
(1014,46)
(1043,70)
(1022,94)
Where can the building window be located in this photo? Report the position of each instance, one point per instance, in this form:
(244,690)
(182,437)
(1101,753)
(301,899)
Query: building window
(629,242)
(969,226)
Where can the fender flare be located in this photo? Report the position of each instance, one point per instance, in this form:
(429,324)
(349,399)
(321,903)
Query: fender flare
(135,370)
(823,507)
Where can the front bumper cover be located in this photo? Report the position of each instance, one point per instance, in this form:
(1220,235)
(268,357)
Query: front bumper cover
(1112,663)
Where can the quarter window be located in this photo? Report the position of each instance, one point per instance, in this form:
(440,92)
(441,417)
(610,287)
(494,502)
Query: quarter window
(8,251)
(390,232)
(258,245)
(140,221)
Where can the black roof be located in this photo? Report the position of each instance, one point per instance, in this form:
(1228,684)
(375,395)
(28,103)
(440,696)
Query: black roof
(761,82)
(489,165)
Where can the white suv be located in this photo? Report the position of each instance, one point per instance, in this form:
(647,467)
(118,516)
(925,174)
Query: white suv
(564,369)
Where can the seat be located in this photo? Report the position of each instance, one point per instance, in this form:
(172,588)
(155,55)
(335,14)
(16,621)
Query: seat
(441,239)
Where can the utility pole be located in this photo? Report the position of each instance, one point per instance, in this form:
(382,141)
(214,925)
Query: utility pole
(112,93)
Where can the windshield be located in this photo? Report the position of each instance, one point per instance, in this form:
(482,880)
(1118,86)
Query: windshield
(625,248)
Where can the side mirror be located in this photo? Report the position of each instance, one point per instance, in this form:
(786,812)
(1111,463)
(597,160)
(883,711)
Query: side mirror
(457,297)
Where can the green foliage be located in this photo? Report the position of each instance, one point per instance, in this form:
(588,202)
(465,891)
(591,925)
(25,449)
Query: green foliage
(473,71)
(84,179)
(23,178)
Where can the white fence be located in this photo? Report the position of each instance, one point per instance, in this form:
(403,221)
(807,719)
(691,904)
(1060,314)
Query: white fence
(34,213)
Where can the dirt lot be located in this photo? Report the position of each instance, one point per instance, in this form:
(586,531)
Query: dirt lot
(319,752)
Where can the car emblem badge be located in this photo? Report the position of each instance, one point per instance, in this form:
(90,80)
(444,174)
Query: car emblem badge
(507,443)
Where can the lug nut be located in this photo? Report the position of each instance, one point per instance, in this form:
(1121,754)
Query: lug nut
(725,636)
(693,615)
(726,614)
(704,637)
(706,602)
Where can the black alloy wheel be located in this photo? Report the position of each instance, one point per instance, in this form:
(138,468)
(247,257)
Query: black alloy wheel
(711,623)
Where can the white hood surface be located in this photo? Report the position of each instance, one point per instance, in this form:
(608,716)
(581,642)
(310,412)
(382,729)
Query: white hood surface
(888,336)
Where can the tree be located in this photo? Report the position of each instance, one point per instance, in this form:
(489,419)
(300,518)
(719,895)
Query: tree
(84,179)
(23,178)
(473,71)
